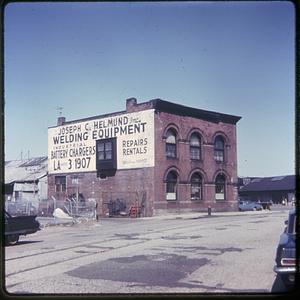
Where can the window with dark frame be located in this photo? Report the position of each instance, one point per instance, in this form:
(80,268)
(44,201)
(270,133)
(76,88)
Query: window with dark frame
(104,150)
(18,195)
(106,157)
(171,186)
(220,187)
(219,149)
(196,187)
(171,144)
(60,184)
(195,146)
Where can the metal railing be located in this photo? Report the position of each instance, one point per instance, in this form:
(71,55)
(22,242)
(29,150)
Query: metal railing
(74,208)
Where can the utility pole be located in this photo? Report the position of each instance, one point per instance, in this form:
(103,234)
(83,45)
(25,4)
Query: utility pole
(77,199)
(59,109)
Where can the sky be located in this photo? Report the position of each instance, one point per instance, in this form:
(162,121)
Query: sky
(232,57)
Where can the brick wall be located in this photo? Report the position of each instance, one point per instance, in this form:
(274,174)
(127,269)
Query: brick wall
(129,185)
(207,166)
(126,185)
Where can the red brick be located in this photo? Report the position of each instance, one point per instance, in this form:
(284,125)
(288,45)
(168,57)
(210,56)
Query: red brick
(126,183)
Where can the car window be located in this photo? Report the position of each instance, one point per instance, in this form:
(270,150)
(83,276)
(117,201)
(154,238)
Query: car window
(293,229)
(291,224)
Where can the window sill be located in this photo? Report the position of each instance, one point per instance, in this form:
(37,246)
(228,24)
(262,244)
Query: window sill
(171,158)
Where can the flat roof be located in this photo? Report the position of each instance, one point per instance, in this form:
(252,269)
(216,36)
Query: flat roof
(182,110)
(276,183)
(172,108)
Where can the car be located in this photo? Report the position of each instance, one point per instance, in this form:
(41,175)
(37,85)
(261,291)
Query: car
(16,226)
(285,266)
(266,204)
(249,205)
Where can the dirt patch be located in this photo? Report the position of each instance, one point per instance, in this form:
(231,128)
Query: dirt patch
(208,251)
(132,236)
(178,237)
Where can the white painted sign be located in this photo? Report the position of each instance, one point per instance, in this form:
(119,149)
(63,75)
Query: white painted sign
(72,147)
(220,196)
(171,196)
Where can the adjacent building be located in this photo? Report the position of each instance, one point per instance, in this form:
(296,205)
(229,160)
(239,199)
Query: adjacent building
(157,155)
(278,189)
(26,184)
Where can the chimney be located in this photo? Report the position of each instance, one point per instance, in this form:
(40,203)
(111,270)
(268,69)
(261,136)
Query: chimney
(61,121)
(130,104)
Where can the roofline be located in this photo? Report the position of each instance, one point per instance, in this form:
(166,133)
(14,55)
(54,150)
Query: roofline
(182,110)
(268,177)
(26,159)
(273,189)
(172,108)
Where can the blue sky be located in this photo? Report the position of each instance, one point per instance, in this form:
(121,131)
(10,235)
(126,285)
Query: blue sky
(230,57)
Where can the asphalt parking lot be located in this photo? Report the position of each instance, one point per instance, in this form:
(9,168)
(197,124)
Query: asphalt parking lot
(187,253)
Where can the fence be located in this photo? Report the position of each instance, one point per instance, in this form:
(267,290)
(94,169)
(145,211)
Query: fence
(72,206)
(21,208)
(110,204)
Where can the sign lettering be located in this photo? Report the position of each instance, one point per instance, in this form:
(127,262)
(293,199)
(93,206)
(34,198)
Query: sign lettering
(72,147)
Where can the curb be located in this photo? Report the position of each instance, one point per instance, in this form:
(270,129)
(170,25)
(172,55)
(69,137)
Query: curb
(186,216)
(201,215)
(73,222)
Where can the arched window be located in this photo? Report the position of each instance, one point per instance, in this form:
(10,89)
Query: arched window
(171,187)
(195,146)
(220,187)
(219,149)
(171,143)
(196,186)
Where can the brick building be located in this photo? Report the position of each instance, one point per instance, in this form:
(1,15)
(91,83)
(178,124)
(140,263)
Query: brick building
(165,157)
